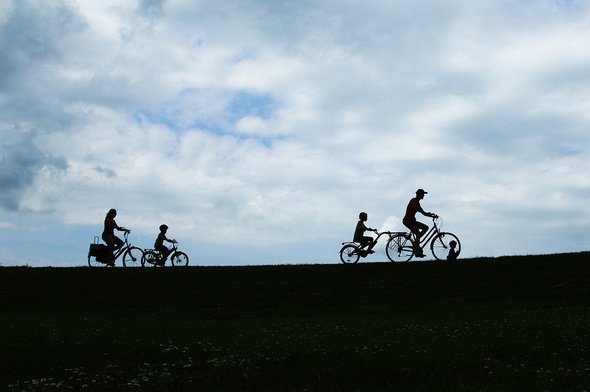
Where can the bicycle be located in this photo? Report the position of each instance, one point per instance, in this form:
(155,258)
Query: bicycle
(400,245)
(98,254)
(154,258)
(400,248)
(351,252)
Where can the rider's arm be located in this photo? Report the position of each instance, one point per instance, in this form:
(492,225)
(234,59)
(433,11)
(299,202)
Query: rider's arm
(364,227)
(111,224)
(121,228)
(419,208)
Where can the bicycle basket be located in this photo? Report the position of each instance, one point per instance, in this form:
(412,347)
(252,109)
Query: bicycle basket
(439,223)
(96,249)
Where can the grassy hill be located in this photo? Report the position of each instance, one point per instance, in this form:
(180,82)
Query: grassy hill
(484,324)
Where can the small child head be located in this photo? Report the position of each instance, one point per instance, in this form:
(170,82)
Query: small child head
(452,244)
(363,216)
(163,228)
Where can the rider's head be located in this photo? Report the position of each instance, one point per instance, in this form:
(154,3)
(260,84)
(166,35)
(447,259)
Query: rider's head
(163,227)
(420,193)
(112,213)
(363,216)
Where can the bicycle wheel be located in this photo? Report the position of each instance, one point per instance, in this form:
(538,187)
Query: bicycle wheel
(440,245)
(95,262)
(349,254)
(399,247)
(179,259)
(150,259)
(132,257)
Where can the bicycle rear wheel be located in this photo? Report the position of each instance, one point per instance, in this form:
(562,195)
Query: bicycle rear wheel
(150,259)
(349,254)
(132,257)
(179,259)
(97,262)
(440,245)
(399,247)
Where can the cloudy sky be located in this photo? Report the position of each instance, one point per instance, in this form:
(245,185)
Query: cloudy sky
(258,130)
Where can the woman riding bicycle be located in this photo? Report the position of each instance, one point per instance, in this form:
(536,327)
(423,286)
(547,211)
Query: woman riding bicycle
(108,235)
(418,228)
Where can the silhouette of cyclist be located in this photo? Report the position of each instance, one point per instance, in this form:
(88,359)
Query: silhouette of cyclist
(360,231)
(108,235)
(418,228)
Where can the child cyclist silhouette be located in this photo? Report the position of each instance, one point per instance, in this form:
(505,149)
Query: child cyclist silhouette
(159,244)
(360,237)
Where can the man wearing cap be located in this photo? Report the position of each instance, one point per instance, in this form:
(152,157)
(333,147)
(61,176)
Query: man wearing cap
(418,228)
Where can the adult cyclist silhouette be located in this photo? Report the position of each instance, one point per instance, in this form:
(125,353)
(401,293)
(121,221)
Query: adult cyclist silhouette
(418,228)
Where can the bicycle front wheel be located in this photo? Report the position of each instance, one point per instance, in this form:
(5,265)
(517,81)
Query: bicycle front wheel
(440,245)
(179,259)
(349,254)
(399,247)
(132,257)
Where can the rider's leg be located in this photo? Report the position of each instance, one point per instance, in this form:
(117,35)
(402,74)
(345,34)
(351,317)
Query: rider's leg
(371,242)
(118,242)
(419,229)
(368,243)
(164,252)
(109,240)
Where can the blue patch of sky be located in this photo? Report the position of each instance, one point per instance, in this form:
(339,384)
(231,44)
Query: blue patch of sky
(246,104)
(242,104)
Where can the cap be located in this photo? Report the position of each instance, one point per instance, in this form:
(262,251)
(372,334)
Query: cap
(422,191)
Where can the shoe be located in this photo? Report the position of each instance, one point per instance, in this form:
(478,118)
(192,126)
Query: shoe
(370,252)
(420,255)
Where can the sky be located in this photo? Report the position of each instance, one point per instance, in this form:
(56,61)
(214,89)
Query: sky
(258,130)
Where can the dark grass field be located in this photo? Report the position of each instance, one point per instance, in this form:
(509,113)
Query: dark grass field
(502,324)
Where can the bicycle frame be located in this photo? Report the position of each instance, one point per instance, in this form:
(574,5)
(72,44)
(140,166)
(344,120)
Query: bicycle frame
(122,249)
(429,235)
(153,257)
(402,248)
(170,252)
(132,255)
(376,238)
(400,245)
(351,250)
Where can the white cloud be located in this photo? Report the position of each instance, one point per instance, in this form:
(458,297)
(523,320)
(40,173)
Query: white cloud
(269,126)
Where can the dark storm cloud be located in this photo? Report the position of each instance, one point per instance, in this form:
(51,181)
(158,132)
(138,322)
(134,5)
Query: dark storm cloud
(30,35)
(20,161)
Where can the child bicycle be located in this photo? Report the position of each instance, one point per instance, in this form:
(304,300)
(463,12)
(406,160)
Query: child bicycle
(352,251)
(98,255)
(399,247)
(154,258)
